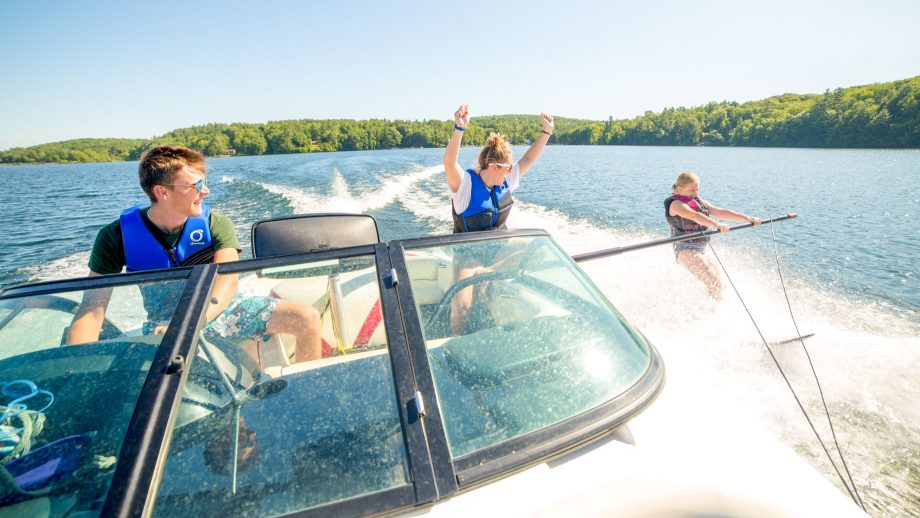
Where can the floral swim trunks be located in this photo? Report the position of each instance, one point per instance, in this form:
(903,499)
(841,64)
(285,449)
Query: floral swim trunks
(244,318)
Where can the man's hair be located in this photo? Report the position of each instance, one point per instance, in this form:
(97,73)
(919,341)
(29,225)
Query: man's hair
(159,165)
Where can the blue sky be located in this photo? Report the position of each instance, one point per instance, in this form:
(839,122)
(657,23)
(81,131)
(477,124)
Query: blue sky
(71,69)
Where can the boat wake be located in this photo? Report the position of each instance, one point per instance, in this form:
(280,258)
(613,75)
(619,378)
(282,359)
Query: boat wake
(74,265)
(342,199)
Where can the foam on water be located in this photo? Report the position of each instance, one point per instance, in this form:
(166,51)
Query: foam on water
(74,265)
(341,198)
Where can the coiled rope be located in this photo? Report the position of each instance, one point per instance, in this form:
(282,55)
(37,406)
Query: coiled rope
(31,424)
(851,486)
(17,440)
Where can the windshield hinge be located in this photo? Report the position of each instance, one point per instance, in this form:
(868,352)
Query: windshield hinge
(417,405)
(392,280)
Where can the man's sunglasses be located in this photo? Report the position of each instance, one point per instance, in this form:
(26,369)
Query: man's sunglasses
(199,185)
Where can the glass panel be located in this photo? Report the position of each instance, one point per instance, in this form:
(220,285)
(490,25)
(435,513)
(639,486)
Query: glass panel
(65,409)
(518,337)
(260,432)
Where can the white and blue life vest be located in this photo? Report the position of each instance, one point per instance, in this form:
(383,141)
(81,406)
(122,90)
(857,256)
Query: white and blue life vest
(145,250)
(488,208)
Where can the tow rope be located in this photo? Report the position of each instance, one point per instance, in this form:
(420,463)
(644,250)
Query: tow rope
(17,440)
(851,486)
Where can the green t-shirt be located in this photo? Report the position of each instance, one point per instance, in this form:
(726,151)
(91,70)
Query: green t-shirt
(108,255)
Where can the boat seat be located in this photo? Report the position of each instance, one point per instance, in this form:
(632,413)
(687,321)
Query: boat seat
(431,276)
(298,234)
(302,233)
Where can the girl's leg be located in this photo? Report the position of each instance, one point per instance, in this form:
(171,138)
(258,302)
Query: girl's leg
(703,269)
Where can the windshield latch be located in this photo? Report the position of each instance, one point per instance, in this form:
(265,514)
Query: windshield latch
(175,365)
(417,405)
(392,280)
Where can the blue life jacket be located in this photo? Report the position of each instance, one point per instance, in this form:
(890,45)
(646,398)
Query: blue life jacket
(488,208)
(681,226)
(145,250)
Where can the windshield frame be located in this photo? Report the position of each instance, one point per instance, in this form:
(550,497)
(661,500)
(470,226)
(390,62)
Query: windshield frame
(95,282)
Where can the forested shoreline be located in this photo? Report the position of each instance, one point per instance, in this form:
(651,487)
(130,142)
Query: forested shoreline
(881,115)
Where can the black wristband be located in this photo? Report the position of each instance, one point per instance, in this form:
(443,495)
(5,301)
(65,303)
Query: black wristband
(548,133)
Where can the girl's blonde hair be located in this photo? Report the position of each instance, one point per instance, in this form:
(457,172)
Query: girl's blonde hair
(497,149)
(685,178)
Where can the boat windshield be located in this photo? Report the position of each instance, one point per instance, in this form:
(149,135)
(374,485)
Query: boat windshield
(66,408)
(260,432)
(347,381)
(518,338)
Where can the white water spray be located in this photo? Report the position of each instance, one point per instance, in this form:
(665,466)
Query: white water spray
(341,199)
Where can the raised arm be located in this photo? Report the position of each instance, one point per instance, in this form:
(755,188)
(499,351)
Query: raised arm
(451,167)
(87,322)
(533,153)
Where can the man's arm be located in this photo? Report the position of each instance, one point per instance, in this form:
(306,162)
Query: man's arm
(87,322)
(226,285)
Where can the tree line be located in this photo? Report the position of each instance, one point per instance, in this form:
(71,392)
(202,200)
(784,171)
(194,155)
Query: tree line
(872,116)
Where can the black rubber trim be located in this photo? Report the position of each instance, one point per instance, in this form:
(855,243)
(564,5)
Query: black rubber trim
(466,237)
(96,281)
(143,454)
(434,425)
(381,503)
(420,464)
(288,260)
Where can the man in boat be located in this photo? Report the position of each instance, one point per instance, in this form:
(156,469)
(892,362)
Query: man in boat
(177,229)
(481,197)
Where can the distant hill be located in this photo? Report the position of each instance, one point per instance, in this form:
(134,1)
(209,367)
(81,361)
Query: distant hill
(881,115)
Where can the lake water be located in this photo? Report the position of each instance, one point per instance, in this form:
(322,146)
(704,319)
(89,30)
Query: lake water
(850,262)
